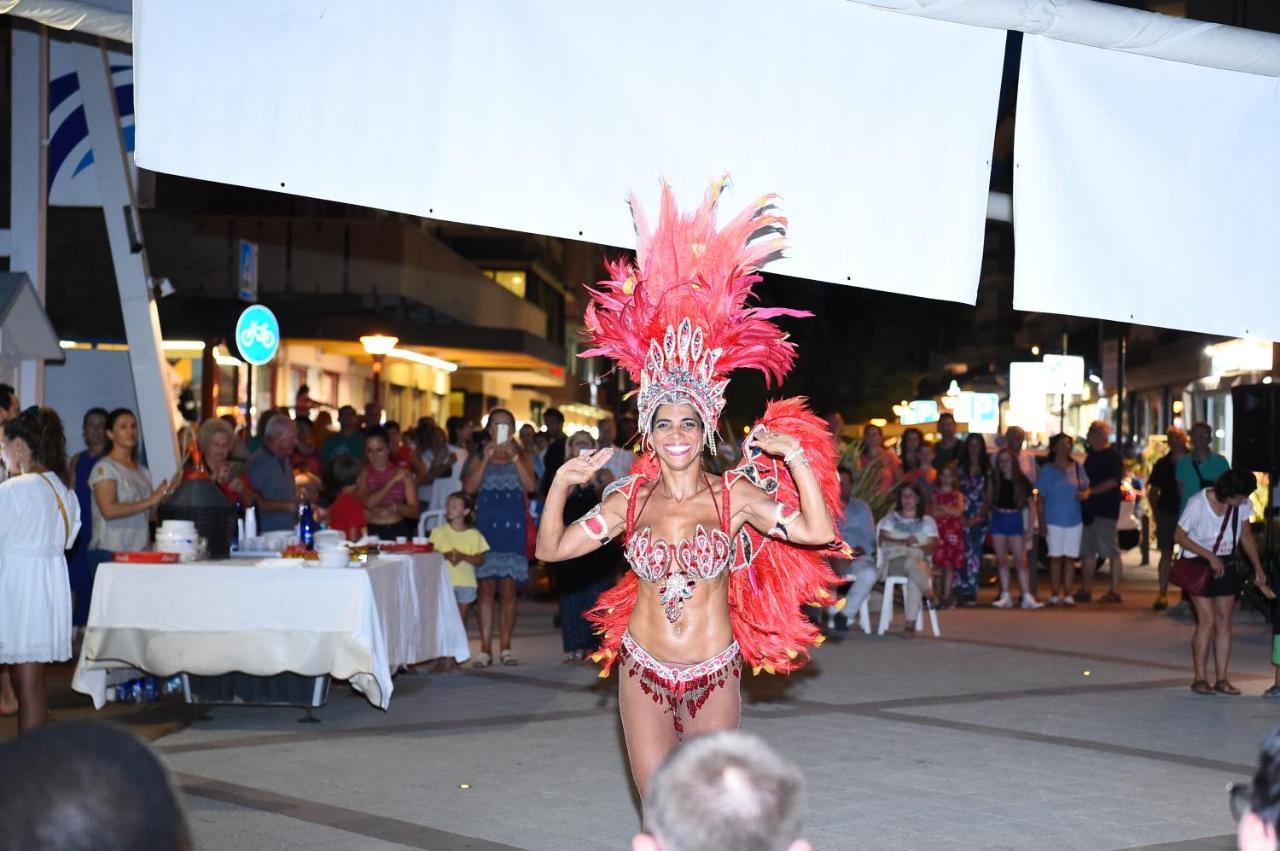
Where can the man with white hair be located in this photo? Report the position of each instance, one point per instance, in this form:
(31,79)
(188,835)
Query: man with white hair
(724,790)
(1104,467)
(271,474)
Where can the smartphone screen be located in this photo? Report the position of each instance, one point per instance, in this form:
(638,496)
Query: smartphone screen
(504,433)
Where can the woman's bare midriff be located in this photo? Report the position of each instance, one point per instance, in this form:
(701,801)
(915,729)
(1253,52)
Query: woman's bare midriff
(702,631)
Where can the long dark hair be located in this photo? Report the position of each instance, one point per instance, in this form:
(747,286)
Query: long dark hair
(910,463)
(984,460)
(111,423)
(41,429)
(1021,485)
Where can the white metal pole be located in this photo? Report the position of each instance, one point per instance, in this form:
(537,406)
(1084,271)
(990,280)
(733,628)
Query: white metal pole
(28,198)
(156,409)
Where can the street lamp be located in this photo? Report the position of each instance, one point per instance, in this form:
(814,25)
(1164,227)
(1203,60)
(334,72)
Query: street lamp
(378,346)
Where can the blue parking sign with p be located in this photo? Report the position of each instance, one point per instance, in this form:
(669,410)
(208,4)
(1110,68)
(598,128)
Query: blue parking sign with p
(257,335)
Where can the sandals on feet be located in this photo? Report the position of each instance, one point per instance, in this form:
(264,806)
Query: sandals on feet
(1201,687)
(507,658)
(483,660)
(1225,687)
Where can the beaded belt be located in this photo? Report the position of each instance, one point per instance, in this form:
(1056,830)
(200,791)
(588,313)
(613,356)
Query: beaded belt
(684,686)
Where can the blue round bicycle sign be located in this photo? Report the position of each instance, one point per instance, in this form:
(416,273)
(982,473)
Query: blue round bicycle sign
(257,335)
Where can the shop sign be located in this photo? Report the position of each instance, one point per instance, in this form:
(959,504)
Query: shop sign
(980,412)
(917,412)
(1064,375)
(257,335)
(1028,392)
(1236,356)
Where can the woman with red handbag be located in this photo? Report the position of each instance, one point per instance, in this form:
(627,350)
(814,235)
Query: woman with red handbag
(1211,529)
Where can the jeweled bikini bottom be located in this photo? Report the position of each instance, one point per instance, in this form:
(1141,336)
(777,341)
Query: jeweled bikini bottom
(680,686)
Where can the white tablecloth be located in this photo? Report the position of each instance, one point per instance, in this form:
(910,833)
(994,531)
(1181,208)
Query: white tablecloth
(211,618)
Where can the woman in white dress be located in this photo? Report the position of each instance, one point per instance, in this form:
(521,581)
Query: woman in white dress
(39,519)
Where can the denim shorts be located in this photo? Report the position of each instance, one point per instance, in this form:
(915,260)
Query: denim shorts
(1008,523)
(464,594)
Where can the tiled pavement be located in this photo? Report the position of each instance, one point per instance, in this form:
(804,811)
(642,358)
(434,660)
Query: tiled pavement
(1051,729)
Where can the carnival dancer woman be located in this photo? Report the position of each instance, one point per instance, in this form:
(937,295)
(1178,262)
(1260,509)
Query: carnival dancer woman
(720,565)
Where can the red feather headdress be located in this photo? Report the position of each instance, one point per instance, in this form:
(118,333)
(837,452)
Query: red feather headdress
(676,319)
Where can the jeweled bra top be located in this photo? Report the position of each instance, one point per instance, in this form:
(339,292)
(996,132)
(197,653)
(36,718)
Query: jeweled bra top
(678,567)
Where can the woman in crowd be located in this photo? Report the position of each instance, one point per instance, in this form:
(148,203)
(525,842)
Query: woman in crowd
(404,455)
(389,493)
(533,447)
(94,431)
(39,519)
(215,440)
(975,485)
(583,579)
(443,461)
(909,450)
(499,477)
(1214,528)
(889,471)
(123,496)
(908,537)
(1012,496)
(1063,486)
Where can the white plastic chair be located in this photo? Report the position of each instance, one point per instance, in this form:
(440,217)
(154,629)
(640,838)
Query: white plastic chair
(886,608)
(429,520)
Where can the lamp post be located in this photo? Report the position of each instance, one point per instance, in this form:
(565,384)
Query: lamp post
(378,346)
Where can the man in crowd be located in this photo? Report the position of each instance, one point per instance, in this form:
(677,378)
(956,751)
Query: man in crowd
(348,441)
(1104,467)
(1014,440)
(724,790)
(372,415)
(302,403)
(1260,822)
(75,787)
(1200,467)
(553,457)
(858,530)
(620,463)
(947,451)
(1162,496)
(271,474)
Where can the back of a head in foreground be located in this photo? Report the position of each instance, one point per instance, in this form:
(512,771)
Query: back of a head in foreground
(725,790)
(77,787)
(1259,826)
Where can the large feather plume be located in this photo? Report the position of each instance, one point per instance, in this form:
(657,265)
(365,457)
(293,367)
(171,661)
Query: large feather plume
(686,268)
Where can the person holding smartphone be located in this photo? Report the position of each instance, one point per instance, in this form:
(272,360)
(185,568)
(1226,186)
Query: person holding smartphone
(499,477)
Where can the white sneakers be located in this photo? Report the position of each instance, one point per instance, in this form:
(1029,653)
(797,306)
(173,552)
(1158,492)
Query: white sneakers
(1004,601)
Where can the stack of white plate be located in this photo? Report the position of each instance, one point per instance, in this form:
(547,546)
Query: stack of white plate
(178,536)
(334,556)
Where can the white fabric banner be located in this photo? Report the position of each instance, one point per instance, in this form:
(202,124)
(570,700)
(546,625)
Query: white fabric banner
(1146,191)
(874,127)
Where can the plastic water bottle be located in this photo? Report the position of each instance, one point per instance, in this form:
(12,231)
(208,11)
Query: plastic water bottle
(306,525)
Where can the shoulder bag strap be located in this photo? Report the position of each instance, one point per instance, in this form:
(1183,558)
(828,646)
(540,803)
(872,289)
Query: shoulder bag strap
(62,509)
(1227,518)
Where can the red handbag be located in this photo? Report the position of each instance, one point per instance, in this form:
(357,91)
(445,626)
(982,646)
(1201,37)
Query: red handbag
(1192,574)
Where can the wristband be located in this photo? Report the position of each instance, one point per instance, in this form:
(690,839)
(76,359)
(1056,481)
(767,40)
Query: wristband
(798,452)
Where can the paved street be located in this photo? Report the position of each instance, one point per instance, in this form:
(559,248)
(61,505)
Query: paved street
(1051,729)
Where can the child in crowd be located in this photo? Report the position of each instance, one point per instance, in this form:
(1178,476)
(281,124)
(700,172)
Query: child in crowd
(463,548)
(923,474)
(346,514)
(948,513)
